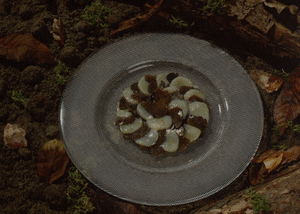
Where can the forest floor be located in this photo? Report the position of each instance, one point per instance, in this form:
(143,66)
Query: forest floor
(21,188)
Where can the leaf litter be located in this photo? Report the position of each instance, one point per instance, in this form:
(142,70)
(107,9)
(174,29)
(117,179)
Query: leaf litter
(271,161)
(287,105)
(25,48)
(58,31)
(141,17)
(53,161)
(266,81)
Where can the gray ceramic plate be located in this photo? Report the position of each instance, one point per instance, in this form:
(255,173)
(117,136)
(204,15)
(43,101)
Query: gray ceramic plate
(119,167)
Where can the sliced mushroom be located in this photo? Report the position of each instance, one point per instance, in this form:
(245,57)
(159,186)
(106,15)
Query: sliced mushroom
(161,123)
(162,78)
(149,139)
(133,127)
(143,86)
(171,89)
(123,113)
(124,120)
(192,133)
(127,94)
(141,132)
(199,109)
(171,143)
(182,104)
(193,92)
(143,112)
(181,81)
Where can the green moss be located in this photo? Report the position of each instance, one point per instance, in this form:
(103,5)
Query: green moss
(259,202)
(17,96)
(290,124)
(76,193)
(215,5)
(281,73)
(279,147)
(178,21)
(96,12)
(59,69)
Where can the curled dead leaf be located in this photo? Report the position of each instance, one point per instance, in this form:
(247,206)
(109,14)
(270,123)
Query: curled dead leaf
(58,31)
(25,48)
(266,81)
(287,105)
(53,161)
(150,10)
(270,161)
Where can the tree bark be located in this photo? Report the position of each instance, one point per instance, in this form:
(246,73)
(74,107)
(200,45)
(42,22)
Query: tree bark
(269,28)
(283,193)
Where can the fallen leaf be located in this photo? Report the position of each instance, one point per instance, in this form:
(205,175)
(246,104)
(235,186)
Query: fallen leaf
(287,105)
(266,81)
(150,10)
(270,161)
(24,48)
(53,160)
(58,31)
(14,136)
(292,154)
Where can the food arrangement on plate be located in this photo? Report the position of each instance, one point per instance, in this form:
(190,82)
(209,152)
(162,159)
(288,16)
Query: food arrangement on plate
(163,113)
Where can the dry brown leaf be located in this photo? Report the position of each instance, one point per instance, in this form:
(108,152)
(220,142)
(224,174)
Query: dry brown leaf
(266,81)
(24,48)
(150,10)
(58,31)
(270,161)
(287,105)
(263,156)
(53,161)
(292,154)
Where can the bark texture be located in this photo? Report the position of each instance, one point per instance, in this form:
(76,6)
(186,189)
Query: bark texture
(268,27)
(283,193)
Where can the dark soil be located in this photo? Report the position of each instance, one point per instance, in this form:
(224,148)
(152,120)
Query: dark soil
(21,189)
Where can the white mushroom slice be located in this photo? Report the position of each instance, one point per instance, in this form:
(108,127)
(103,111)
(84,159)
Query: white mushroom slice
(192,133)
(127,94)
(162,78)
(123,113)
(143,86)
(161,123)
(180,104)
(199,109)
(133,127)
(171,89)
(181,81)
(172,141)
(143,112)
(193,92)
(149,139)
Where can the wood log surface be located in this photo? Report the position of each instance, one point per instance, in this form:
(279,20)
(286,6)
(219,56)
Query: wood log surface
(268,27)
(283,194)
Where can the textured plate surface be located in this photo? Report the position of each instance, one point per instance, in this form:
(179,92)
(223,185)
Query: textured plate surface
(119,167)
